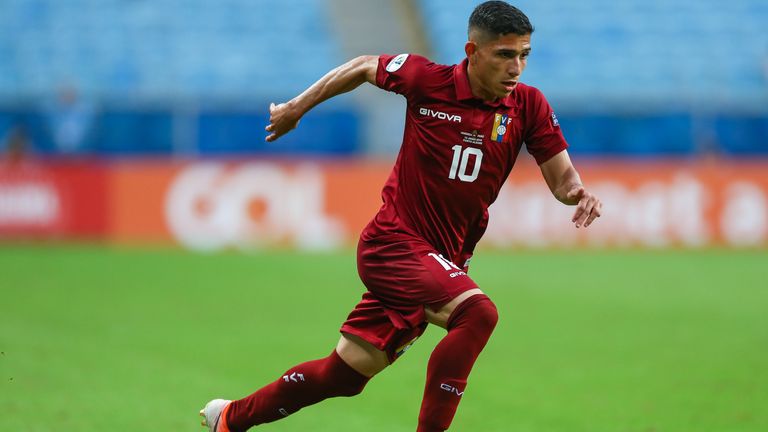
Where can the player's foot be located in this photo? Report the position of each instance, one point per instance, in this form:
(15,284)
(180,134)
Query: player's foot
(211,414)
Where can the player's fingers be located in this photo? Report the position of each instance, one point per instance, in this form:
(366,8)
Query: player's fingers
(582,211)
(273,136)
(591,218)
(594,214)
(588,205)
(271,107)
(580,208)
(582,218)
(577,214)
(269,127)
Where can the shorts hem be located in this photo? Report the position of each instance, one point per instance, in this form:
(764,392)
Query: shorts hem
(377,342)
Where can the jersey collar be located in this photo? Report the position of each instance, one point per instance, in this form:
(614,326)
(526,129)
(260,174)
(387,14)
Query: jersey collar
(464,91)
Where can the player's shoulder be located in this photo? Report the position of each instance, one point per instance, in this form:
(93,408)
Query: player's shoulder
(529,92)
(409,61)
(412,75)
(529,97)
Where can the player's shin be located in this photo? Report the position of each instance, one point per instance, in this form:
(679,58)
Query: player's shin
(469,328)
(300,386)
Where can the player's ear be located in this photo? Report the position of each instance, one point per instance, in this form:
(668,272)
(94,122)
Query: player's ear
(470,48)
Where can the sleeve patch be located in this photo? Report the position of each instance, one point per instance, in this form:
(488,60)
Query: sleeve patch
(396,63)
(555,122)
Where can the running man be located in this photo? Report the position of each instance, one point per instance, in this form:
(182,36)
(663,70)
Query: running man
(465,125)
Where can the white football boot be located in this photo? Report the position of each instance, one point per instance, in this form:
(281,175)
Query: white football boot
(212,414)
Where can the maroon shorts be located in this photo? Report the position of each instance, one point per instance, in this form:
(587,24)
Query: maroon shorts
(403,274)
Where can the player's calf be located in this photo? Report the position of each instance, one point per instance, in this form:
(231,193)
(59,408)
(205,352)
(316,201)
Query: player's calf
(469,328)
(300,386)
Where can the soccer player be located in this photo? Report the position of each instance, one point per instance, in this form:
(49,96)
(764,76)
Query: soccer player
(465,125)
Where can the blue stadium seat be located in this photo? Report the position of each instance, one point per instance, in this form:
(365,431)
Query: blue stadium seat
(736,134)
(324,132)
(138,132)
(681,47)
(626,76)
(620,71)
(162,48)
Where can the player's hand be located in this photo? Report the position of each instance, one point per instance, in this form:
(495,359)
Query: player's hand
(283,118)
(588,209)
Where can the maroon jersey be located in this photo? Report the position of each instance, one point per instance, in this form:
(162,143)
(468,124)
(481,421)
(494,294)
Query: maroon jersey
(457,151)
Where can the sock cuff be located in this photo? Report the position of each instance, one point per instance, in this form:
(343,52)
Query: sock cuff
(223,426)
(338,365)
(467,304)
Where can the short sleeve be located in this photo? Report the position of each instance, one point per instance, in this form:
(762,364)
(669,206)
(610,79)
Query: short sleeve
(543,138)
(401,73)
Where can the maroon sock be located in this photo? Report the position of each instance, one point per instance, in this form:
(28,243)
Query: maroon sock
(303,385)
(469,327)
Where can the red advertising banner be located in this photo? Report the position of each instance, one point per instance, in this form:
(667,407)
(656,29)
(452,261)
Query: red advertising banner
(219,205)
(651,204)
(53,200)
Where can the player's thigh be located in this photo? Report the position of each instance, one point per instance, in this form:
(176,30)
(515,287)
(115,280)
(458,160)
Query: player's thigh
(361,355)
(439,315)
(407,274)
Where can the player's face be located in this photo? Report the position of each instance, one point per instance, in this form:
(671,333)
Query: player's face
(495,66)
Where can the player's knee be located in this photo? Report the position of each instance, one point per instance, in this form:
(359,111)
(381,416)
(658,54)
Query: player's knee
(352,389)
(343,378)
(347,383)
(487,315)
(478,310)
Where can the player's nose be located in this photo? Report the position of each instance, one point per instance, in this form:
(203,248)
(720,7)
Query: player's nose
(514,68)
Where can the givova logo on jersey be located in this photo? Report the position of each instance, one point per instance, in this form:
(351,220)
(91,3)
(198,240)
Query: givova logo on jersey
(439,115)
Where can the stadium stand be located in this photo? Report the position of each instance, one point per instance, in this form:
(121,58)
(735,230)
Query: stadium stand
(152,62)
(164,48)
(641,77)
(653,53)
(189,76)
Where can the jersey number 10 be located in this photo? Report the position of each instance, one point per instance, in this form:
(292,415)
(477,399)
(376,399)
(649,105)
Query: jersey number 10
(461,160)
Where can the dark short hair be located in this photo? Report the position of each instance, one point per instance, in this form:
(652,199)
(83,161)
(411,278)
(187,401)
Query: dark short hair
(497,18)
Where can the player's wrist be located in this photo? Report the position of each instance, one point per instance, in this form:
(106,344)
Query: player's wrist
(297,107)
(568,193)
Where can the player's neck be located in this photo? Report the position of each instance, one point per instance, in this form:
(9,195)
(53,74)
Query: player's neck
(477,88)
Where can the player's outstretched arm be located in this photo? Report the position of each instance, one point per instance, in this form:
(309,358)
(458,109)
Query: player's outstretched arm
(564,182)
(285,117)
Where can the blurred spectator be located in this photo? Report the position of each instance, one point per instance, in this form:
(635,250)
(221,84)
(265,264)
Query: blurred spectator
(70,119)
(15,146)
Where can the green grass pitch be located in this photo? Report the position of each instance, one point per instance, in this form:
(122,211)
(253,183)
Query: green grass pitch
(99,339)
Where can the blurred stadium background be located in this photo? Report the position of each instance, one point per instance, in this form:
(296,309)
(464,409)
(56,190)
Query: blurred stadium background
(131,140)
